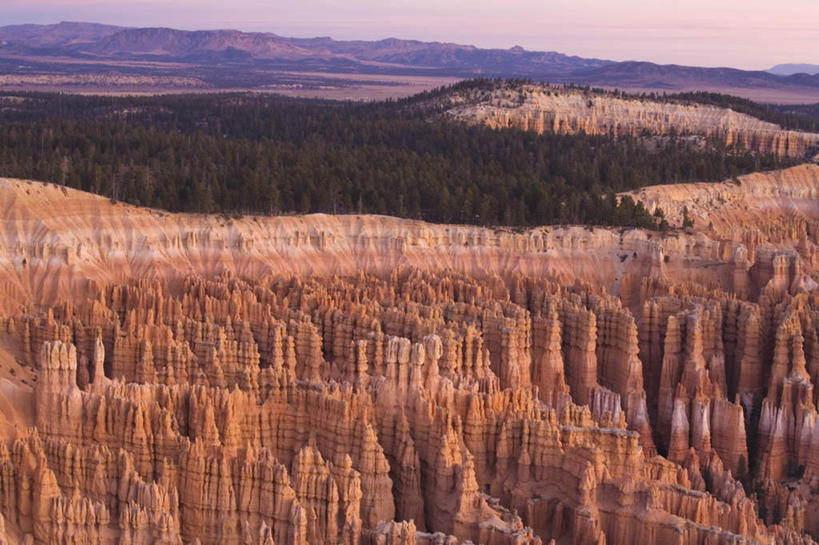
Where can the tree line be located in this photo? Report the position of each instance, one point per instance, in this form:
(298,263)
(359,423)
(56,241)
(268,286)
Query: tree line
(262,154)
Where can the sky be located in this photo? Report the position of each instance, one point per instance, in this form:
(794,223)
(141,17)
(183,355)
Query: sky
(749,34)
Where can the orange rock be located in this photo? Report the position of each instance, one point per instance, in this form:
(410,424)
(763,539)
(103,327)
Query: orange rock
(414,389)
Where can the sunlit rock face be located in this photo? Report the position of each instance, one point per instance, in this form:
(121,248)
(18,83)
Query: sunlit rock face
(542,108)
(368,380)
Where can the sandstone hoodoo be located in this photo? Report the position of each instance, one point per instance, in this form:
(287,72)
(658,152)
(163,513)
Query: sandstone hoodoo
(175,379)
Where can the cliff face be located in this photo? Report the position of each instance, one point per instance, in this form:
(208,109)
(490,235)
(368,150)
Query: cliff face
(56,242)
(352,380)
(553,109)
(778,207)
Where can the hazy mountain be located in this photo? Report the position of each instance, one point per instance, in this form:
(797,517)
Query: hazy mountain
(454,57)
(649,75)
(213,55)
(788,69)
(115,43)
(181,44)
(62,35)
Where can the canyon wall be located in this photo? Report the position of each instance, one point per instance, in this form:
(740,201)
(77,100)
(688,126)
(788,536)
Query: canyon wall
(772,207)
(350,380)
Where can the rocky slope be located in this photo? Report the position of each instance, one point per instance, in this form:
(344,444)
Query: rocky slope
(563,110)
(55,240)
(369,380)
(773,207)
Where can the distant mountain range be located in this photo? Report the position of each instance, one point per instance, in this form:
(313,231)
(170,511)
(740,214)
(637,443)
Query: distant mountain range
(103,42)
(788,69)
(214,56)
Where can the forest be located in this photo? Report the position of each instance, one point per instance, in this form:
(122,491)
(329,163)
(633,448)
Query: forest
(263,154)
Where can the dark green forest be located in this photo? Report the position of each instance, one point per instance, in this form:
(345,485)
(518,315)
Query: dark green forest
(260,154)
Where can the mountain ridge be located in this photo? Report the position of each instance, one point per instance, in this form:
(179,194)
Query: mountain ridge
(788,69)
(27,50)
(169,43)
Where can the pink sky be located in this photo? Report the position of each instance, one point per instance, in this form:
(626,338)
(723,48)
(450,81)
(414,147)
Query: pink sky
(751,34)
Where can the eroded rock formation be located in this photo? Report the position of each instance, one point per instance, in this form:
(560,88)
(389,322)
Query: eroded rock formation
(543,108)
(200,383)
